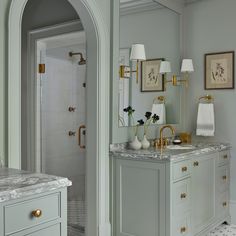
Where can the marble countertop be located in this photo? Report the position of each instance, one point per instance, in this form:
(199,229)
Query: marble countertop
(152,154)
(17,183)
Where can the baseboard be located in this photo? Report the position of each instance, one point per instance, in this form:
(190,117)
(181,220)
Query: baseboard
(233,212)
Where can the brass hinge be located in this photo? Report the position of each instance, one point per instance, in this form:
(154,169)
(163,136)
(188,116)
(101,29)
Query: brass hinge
(41,68)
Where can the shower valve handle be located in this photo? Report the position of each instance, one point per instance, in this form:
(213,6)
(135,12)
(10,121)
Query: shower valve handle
(71,133)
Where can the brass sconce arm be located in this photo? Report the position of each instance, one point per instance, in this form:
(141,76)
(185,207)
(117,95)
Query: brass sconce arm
(125,71)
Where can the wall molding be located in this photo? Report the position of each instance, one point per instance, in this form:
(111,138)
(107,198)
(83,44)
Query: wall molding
(233,211)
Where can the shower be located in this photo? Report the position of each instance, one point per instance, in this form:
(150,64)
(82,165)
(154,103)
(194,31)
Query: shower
(82,61)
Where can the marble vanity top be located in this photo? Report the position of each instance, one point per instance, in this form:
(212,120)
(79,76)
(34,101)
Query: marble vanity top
(152,154)
(17,183)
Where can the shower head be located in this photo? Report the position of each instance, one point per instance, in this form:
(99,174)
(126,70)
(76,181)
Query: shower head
(82,61)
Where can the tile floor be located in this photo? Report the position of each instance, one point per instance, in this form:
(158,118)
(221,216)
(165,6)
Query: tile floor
(224,230)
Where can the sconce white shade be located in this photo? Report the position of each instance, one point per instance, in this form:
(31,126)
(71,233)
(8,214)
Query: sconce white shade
(187,65)
(165,67)
(138,52)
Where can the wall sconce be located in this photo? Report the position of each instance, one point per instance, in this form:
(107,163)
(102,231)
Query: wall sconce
(186,68)
(137,54)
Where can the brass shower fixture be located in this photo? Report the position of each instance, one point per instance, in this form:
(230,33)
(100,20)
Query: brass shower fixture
(82,61)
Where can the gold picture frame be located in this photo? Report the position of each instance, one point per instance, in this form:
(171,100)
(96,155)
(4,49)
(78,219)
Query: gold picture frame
(219,70)
(151,79)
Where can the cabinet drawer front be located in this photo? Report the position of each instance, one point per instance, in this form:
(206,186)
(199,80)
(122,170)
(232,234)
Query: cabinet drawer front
(181,170)
(224,157)
(223,177)
(46,231)
(181,196)
(223,204)
(20,216)
(182,226)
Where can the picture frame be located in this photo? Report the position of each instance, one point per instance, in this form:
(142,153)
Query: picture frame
(219,70)
(151,79)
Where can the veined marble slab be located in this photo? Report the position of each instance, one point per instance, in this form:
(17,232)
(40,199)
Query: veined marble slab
(17,183)
(153,154)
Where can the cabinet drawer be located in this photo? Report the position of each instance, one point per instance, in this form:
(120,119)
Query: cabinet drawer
(181,169)
(54,230)
(20,216)
(182,226)
(223,204)
(223,177)
(181,196)
(224,158)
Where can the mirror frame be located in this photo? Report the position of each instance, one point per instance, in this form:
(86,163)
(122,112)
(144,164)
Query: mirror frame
(124,134)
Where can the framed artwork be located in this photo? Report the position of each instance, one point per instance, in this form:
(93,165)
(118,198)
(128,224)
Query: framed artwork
(219,70)
(151,79)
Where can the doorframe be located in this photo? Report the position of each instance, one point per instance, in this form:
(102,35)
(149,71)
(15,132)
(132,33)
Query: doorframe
(33,37)
(98,66)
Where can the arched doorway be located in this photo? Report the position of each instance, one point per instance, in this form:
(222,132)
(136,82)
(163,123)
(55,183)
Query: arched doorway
(97,184)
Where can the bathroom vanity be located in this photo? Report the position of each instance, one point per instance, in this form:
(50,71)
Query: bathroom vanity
(32,204)
(179,192)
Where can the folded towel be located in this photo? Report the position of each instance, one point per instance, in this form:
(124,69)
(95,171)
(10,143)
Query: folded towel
(206,120)
(160,110)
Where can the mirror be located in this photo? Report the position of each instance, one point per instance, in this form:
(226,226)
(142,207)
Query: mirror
(158,28)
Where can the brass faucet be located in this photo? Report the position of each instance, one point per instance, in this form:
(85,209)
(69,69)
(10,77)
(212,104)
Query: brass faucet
(162,142)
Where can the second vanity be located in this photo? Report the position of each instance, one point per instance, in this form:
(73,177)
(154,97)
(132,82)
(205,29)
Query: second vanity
(179,192)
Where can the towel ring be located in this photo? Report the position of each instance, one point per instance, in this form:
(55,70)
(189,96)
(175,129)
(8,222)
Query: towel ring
(159,99)
(207,98)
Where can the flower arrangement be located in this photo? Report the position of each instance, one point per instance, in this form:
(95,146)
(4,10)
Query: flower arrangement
(150,119)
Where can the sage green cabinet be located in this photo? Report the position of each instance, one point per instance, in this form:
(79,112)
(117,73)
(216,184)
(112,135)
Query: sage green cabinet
(203,192)
(17,217)
(136,183)
(187,197)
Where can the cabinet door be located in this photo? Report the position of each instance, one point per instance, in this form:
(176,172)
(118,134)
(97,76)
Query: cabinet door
(140,198)
(203,191)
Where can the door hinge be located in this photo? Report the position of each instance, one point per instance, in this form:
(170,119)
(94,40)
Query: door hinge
(41,68)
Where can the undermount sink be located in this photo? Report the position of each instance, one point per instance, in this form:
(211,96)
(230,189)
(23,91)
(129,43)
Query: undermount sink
(180,147)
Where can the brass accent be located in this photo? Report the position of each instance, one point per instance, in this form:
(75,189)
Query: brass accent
(162,142)
(183,230)
(37,213)
(184,169)
(125,71)
(79,136)
(185,137)
(183,195)
(42,68)
(225,156)
(71,109)
(71,133)
(196,163)
(224,177)
(224,204)
(159,99)
(206,98)
(175,81)
(82,61)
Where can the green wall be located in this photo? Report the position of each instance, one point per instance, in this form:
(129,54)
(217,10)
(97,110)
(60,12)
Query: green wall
(210,27)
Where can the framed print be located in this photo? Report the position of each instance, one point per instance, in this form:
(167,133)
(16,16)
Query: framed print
(151,79)
(219,70)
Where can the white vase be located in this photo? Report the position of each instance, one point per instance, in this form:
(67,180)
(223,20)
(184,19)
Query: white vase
(145,143)
(136,144)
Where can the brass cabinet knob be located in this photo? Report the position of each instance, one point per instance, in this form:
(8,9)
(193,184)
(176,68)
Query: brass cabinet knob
(183,195)
(184,169)
(224,177)
(225,156)
(224,204)
(183,230)
(196,163)
(37,213)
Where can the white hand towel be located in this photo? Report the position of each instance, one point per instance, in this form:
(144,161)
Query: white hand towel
(160,110)
(206,120)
